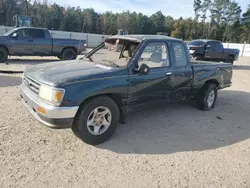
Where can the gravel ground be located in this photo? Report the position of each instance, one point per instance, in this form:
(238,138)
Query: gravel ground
(168,146)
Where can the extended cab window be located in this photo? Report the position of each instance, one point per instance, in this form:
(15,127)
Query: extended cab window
(218,46)
(179,54)
(155,55)
(36,33)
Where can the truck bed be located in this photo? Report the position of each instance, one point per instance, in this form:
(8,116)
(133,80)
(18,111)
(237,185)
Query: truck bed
(202,63)
(203,70)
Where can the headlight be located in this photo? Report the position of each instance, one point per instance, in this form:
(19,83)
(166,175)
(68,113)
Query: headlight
(191,51)
(53,95)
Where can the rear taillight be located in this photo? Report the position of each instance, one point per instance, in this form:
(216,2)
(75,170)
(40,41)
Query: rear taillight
(85,44)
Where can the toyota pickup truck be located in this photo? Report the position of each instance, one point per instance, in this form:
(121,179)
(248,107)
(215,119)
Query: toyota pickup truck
(27,41)
(212,50)
(93,94)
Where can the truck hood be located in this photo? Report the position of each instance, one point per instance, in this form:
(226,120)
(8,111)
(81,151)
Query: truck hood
(64,72)
(3,37)
(192,47)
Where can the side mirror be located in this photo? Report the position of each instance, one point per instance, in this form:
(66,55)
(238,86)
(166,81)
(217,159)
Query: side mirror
(144,69)
(14,35)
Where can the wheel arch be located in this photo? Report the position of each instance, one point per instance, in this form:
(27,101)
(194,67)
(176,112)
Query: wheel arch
(5,47)
(211,81)
(115,97)
(69,47)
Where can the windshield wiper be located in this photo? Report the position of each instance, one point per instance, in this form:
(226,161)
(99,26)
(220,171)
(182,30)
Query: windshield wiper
(112,63)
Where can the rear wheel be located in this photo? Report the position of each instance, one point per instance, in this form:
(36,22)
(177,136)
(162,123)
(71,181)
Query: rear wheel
(206,97)
(69,54)
(96,121)
(3,55)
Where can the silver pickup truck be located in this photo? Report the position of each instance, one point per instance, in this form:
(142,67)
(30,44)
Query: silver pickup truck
(27,41)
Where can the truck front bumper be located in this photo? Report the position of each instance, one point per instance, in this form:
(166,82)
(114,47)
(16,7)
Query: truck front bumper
(52,116)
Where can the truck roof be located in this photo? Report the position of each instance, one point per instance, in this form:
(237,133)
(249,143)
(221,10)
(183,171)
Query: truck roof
(206,40)
(140,38)
(30,28)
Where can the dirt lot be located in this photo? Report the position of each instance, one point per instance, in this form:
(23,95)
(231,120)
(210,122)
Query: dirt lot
(170,146)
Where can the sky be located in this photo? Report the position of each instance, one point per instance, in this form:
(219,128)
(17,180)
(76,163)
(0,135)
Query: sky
(174,8)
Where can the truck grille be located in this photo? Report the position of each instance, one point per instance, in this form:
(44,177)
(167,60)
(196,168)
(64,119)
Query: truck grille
(31,84)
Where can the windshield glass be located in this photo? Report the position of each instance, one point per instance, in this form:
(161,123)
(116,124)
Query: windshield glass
(197,43)
(9,32)
(114,53)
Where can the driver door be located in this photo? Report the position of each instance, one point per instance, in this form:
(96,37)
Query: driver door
(155,86)
(210,51)
(23,43)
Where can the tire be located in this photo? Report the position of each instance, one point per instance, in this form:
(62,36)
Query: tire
(86,113)
(3,55)
(206,97)
(69,54)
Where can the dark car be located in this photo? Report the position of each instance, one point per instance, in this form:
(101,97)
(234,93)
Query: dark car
(26,41)
(91,95)
(212,50)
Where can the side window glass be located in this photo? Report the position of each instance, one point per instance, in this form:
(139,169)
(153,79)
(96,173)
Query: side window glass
(211,48)
(179,54)
(155,55)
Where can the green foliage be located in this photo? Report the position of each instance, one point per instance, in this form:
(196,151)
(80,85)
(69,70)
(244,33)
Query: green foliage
(214,19)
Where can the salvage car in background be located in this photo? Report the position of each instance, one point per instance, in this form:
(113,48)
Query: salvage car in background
(91,95)
(27,41)
(212,50)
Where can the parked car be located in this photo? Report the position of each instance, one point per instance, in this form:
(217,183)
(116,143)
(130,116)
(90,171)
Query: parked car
(27,41)
(212,50)
(92,94)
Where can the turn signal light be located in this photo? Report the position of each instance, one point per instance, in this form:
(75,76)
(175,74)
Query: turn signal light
(41,110)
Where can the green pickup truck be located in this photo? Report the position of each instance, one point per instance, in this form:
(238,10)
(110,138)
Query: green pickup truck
(93,94)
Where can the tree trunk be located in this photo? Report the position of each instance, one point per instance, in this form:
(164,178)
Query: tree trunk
(27,6)
(224,35)
(249,37)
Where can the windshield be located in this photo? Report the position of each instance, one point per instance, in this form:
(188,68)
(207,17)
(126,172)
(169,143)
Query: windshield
(114,53)
(8,33)
(197,43)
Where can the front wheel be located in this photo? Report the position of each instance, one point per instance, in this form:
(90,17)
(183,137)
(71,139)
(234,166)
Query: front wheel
(206,97)
(3,55)
(96,121)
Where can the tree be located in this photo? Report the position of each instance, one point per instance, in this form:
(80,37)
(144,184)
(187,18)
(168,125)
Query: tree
(2,12)
(232,16)
(157,20)
(215,19)
(246,23)
(197,8)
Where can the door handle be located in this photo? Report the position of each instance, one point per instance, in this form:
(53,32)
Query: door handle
(30,40)
(168,73)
